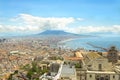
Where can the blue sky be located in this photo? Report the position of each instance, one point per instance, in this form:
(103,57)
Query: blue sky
(92,14)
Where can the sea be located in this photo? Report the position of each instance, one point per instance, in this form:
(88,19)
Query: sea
(93,43)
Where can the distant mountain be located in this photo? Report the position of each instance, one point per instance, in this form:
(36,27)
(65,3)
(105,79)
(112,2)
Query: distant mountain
(56,32)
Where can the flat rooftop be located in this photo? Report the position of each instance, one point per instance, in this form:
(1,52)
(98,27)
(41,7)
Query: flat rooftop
(67,71)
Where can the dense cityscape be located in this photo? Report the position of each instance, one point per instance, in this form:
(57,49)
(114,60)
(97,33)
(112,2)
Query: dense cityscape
(59,39)
(35,58)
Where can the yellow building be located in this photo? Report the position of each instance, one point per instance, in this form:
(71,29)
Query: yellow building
(97,67)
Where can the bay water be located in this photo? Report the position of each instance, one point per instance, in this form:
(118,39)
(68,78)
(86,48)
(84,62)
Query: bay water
(89,43)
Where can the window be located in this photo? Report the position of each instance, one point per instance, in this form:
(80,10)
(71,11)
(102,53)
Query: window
(90,76)
(113,76)
(106,77)
(97,77)
(100,66)
(89,65)
(62,78)
(101,78)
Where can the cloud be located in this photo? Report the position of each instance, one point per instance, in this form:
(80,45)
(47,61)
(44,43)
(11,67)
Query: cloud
(94,29)
(80,19)
(26,23)
(42,23)
(5,28)
(29,23)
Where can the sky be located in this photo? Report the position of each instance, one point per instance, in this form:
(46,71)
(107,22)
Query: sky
(75,16)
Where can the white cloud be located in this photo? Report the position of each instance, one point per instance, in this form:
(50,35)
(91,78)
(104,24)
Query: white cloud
(29,23)
(80,19)
(7,28)
(93,29)
(26,23)
(44,23)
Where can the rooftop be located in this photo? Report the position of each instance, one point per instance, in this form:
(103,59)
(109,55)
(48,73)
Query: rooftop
(72,58)
(67,71)
(78,54)
(91,56)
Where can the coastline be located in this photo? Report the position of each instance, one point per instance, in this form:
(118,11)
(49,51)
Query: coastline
(91,43)
(70,39)
(67,40)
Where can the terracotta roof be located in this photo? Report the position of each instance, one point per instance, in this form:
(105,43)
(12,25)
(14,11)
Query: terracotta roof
(78,56)
(12,57)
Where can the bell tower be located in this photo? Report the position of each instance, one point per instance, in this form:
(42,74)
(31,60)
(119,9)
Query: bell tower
(112,54)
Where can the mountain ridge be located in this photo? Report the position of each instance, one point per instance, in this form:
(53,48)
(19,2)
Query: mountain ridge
(56,32)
